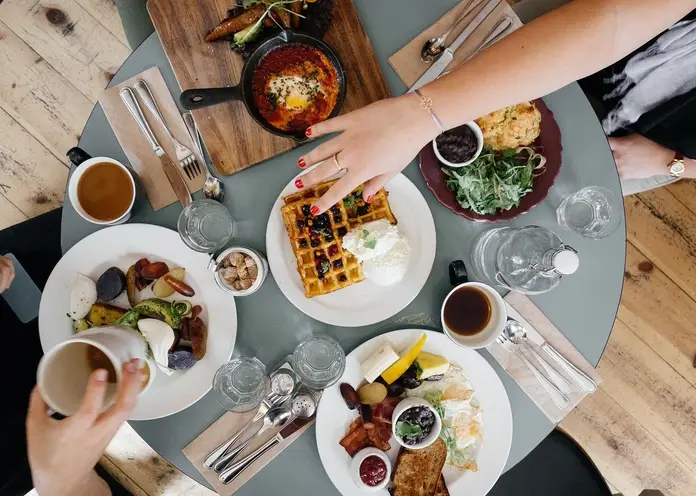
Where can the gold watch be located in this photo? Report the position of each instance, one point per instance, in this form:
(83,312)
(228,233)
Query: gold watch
(676,166)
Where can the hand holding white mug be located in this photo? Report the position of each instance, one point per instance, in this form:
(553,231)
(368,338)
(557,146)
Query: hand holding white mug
(7,273)
(63,453)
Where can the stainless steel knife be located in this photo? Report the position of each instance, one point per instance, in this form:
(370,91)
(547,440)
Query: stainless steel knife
(171,170)
(231,472)
(578,375)
(447,56)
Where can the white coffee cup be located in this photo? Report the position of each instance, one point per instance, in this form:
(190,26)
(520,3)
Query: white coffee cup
(64,370)
(75,180)
(495,324)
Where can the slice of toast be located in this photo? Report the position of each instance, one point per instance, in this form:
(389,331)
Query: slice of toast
(441,489)
(418,472)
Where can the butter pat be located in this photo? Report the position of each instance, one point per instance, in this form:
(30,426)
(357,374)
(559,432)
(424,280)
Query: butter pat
(431,364)
(378,362)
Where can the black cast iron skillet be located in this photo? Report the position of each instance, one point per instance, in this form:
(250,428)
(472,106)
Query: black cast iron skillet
(199,98)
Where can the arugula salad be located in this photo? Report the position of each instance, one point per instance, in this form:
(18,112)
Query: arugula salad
(496,180)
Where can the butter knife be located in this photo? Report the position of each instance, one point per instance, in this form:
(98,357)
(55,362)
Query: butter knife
(233,471)
(578,375)
(175,179)
(447,56)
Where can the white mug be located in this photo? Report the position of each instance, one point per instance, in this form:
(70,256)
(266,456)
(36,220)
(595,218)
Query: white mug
(75,179)
(64,370)
(495,325)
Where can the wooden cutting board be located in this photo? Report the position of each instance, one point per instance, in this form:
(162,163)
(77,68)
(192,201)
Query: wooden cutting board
(233,139)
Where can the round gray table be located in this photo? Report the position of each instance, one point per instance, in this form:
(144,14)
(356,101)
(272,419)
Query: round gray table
(583,306)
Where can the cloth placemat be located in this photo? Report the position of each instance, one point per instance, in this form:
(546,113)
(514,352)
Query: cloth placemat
(139,152)
(521,308)
(407,62)
(222,430)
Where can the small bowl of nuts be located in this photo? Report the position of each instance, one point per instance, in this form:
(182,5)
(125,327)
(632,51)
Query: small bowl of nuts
(240,271)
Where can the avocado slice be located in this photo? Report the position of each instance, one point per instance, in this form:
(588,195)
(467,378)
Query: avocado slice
(159,309)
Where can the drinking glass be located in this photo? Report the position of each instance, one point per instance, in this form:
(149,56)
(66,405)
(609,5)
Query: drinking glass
(206,226)
(319,361)
(593,212)
(240,384)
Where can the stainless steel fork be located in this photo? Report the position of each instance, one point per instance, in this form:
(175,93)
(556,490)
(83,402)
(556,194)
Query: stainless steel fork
(187,160)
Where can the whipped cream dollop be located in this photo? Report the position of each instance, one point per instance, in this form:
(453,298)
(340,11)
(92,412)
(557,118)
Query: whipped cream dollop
(382,249)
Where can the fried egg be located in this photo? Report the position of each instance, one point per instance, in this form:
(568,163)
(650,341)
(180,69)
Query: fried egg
(454,398)
(293,92)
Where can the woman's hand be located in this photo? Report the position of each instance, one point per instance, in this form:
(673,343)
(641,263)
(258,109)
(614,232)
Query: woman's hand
(375,144)
(7,273)
(63,453)
(638,157)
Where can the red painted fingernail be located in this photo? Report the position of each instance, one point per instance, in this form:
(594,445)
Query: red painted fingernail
(308,132)
(314,210)
(302,163)
(298,183)
(370,198)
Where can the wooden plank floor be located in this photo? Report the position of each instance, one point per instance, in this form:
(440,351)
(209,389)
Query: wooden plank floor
(55,58)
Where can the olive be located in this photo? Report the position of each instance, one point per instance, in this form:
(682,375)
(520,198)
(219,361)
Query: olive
(395,390)
(409,380)
(350,396)
(305,210)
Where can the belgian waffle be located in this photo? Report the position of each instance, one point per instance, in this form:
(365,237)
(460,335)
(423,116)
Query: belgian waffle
(322,263)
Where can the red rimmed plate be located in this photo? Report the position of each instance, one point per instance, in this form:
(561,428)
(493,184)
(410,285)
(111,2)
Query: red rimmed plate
(549,141)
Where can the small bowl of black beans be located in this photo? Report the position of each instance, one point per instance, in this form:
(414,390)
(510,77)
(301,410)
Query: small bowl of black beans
(459,146)
(415,423)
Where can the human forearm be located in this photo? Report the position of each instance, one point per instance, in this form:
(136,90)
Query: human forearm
(90,484)
(569,43)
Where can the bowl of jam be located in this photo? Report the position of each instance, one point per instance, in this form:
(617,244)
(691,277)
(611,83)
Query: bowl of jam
(459,146)
(371,469)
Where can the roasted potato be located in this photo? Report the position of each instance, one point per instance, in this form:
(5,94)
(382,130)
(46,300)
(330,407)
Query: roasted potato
(162,289)
(102,314)
(199,337)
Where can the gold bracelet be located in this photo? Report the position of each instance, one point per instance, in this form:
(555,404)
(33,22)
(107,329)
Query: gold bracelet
(427,103)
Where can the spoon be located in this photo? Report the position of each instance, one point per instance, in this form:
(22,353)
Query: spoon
(507,338)
(303,407)
(213,187)
(276,417)
(519,337)
(583,380)
(433,48)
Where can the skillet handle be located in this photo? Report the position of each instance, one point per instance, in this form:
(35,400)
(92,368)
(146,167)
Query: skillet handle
(205,97)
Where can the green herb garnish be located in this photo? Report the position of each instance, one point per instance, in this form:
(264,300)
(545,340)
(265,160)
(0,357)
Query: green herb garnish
(325,266)
(433,397)
(404,428)
(371,244)
(496,180)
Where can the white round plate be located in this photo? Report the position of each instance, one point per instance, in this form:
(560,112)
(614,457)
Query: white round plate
(334,418)
(121,246)
(364,303)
